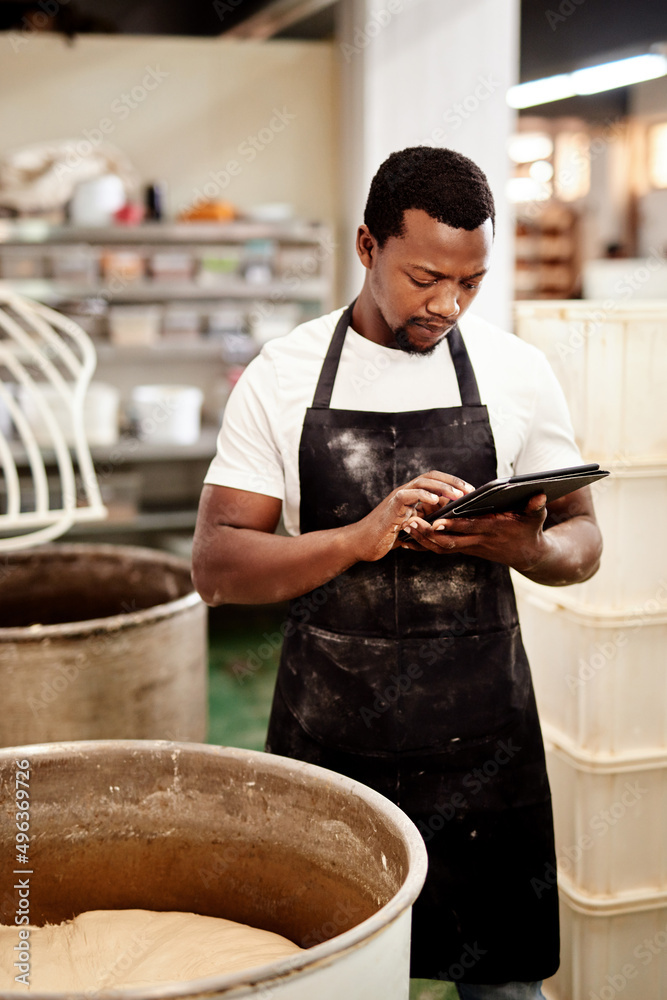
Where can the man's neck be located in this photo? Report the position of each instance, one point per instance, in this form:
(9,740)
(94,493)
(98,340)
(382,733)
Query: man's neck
(367,320)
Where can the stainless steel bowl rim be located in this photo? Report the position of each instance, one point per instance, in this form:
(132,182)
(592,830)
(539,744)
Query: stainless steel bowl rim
(312,958)
(110,623)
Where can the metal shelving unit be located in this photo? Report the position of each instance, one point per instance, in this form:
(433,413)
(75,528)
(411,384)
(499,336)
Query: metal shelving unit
(159,485)
(52,292)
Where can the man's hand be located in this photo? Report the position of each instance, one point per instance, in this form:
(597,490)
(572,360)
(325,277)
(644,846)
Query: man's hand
(555,545)
(514,538)
(377,533)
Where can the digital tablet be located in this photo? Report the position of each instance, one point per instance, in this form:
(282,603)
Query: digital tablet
(513,492)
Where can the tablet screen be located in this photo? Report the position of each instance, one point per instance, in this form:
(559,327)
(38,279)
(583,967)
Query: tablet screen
(513,493)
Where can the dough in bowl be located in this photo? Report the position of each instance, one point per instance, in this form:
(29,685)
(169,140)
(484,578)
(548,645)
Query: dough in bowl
(112,949)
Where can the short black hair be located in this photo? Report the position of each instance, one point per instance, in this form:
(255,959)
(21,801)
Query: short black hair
(443,183)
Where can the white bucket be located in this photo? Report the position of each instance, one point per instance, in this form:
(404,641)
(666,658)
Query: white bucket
(100,414)
(95,200)
(168,414)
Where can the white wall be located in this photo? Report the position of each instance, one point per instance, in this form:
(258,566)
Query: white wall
(215,95)
(649,105)
(432,72)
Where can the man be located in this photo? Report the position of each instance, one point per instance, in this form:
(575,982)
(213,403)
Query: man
(403,666)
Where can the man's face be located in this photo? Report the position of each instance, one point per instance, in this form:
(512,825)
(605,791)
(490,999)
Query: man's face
(424,281)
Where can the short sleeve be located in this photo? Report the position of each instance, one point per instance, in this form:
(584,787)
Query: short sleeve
(248,456)
(550,442)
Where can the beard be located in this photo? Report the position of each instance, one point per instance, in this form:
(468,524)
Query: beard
(403,342)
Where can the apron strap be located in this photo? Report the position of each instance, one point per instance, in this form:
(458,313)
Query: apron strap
(324,390)
(465,375)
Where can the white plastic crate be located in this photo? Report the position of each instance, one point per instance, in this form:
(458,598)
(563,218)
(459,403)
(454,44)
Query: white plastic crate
(633,571)
(610,359)
(611,949)
(610,821)
(600,679)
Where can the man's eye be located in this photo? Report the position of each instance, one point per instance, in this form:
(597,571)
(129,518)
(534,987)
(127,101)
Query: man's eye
(471,284)
(422,284)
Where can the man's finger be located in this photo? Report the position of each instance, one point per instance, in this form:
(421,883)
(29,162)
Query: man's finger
(536,504)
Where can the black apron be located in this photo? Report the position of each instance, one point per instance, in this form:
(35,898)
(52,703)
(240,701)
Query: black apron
(409,674)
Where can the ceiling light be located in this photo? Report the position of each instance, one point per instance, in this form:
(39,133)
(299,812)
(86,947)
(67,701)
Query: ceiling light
(528,146)
(549,88)
(541,170)
(592,80)
(573,165)
(520,189)
(658,155)
(620,73)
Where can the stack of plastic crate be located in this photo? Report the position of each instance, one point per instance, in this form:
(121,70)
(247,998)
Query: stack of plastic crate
(598,651)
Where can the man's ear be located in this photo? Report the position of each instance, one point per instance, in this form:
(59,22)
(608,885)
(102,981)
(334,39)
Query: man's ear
(366,246)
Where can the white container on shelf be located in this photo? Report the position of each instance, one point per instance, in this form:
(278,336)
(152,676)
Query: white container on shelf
(77,264)
(610,818)
(100,414)
(171,265)
(95,200)
(611,361)
(134,326)
(22,262)
(278,322)
(168,414)
(599,678)
(181,323)
(610,949)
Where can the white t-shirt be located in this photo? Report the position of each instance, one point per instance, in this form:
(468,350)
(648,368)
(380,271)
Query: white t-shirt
(258,444)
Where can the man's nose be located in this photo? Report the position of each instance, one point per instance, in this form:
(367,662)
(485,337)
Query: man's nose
(444,302)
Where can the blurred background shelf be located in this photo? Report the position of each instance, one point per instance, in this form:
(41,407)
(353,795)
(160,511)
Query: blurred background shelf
(167,305)
(129,448)
(52,292)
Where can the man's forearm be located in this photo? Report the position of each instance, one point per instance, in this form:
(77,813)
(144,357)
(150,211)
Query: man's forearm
(571,554)
(244,566)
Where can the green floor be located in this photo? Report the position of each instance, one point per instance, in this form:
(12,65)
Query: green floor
(243,661)
(241,676)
